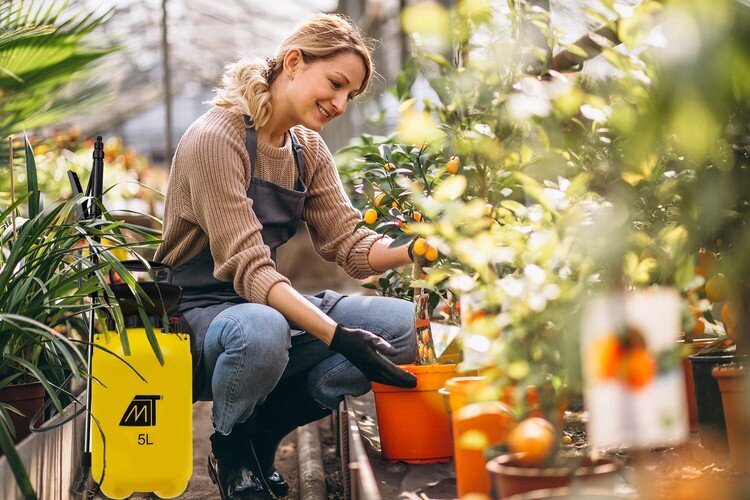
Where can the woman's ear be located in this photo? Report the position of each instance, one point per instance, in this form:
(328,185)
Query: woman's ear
(292,61)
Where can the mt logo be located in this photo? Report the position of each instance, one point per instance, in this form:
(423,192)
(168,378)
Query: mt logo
(141,412)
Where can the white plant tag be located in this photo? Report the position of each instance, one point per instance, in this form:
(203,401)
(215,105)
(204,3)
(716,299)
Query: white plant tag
(633,384)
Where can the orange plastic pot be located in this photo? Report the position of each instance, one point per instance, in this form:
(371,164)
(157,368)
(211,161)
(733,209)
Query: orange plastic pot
(461,389)
(414,424)
(489,423)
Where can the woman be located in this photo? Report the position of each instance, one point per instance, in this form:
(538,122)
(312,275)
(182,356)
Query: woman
(244,174)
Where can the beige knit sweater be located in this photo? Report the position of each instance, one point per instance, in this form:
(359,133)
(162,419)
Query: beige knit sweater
(207,205)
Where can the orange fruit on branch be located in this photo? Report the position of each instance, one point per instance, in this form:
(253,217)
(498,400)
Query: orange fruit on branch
(420,246)
(379,200)
(371,216)
(453,165)
(535,438)
(431,254)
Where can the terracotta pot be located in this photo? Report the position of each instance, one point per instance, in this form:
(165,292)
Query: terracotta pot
(413,423)
(509,478)
(733,382)
(493,421)
(687,372)
(708,399)
(27,398)
(568,493)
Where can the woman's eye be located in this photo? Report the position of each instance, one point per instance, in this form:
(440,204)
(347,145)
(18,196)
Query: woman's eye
(336,85)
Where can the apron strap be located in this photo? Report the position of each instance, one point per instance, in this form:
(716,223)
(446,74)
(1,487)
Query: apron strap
(299,159)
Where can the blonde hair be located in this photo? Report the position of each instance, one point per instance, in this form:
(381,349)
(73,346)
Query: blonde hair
(245,85)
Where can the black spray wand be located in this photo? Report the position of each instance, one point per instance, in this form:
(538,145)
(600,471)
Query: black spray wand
(95,190)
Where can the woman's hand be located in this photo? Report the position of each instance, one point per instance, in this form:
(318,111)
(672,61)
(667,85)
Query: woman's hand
(365,350)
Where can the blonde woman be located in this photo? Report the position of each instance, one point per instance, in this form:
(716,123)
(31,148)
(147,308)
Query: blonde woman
(244,174)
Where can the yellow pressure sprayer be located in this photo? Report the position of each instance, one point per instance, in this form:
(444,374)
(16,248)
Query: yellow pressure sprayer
(143,441)
(146,417)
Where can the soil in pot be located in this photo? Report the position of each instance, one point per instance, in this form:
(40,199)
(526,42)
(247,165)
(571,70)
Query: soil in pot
(27,398)
(733,383)
(414,425)
(510,478)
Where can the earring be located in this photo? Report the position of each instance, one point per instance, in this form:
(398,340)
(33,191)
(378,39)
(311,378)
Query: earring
(290,78)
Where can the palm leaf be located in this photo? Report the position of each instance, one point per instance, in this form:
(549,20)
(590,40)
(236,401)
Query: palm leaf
(47,61)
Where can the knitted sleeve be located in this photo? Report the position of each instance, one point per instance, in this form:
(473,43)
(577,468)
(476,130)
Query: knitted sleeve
(218,203)
(331,217)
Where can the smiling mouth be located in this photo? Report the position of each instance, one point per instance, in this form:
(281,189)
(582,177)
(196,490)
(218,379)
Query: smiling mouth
(323,112)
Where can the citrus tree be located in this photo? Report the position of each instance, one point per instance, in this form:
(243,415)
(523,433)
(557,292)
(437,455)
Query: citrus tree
(539,188)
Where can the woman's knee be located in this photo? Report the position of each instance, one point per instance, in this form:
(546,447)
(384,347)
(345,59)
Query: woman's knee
(398,329)
(259,330)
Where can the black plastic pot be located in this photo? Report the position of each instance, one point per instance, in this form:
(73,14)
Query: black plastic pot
(707,393)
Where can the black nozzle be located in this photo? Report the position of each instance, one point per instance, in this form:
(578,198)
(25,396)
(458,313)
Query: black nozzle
(95,187)
(98,148)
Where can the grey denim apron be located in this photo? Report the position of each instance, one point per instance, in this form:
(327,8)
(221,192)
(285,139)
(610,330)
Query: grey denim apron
(279,210)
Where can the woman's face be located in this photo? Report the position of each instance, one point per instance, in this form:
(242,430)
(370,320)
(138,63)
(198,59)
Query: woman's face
(321,90)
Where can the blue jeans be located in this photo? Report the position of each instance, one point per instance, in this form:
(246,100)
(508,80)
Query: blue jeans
(248,348)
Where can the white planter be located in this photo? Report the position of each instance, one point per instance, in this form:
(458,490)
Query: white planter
(51,459)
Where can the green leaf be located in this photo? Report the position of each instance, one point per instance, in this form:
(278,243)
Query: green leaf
(405,79)
(385,151)
(32,185)
(440,60)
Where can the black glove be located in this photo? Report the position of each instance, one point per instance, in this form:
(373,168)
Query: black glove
(364,350)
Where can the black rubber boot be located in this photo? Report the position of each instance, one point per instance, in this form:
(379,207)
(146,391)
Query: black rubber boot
(287,407)
(234,468)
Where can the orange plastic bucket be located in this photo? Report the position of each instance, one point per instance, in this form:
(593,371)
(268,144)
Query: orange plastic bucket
(414,424)
(461,389)
(492,420)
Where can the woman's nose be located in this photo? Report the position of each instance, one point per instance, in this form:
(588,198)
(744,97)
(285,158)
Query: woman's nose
(340,103)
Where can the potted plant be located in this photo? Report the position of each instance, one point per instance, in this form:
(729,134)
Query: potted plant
(52,261)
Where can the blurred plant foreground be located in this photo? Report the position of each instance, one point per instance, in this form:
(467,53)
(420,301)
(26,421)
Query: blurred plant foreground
(536,173)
